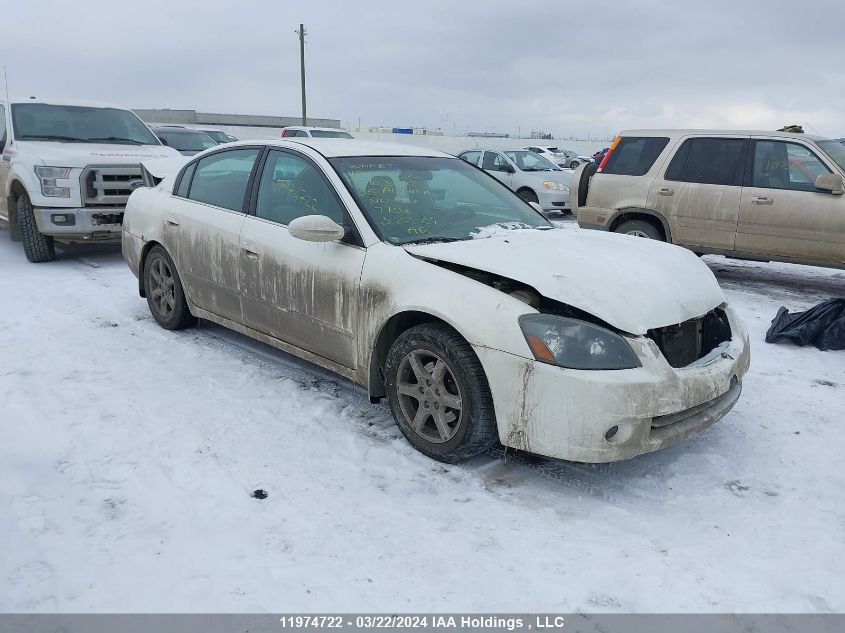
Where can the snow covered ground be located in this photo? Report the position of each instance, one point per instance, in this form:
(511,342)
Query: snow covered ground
(128,455)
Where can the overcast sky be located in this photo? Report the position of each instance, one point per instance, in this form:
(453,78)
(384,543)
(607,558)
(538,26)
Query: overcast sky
(567,67)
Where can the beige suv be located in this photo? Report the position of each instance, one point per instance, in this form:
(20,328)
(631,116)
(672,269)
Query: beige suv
(751,195)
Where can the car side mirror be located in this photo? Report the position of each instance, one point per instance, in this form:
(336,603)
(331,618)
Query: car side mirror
(316,228)
(832,183)
(507,169)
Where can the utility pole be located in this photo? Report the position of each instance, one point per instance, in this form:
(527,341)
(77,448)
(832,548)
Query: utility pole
(301,33)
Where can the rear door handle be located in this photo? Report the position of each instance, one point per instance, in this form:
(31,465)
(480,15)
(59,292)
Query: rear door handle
(172,221)
(665,191)
(250,250)
(761,200)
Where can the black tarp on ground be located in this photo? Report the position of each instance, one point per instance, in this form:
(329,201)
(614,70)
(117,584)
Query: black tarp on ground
(822,326)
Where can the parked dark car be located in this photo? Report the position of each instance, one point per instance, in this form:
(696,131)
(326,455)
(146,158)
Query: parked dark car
(184,140)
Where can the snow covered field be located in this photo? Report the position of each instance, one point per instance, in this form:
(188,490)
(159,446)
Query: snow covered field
(128,456)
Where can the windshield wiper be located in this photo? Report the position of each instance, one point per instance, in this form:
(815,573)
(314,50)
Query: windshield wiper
(434,240)
(114,139)
(50,137)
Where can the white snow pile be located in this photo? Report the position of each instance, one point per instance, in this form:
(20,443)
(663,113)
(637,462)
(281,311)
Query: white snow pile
(502,228)
(131,456)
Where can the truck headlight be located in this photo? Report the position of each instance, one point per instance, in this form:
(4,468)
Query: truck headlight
(48,177)
(556,186)
(576,344)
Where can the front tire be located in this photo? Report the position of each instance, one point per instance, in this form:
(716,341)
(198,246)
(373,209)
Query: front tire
(165,295)
(439,395)
(38,248)
(528,195)
(640,228)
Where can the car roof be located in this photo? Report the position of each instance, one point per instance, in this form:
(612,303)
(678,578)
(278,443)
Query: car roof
(312,127)
(501,150)
(66,102)
(177,129)
(337,147)
(684,132)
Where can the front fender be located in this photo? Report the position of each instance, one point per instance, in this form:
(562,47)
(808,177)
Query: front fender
(395,282)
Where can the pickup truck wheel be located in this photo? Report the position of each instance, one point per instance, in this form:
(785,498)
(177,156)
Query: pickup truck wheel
(639,228)
(439,395)
(528,195)
(37,247)
(165,295)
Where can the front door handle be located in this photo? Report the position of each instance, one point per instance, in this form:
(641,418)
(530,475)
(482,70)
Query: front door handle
(665,191)
(249,249)
(761,200)
(172,221)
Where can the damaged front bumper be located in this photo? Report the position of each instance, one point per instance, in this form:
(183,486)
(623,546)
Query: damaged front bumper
(605,416)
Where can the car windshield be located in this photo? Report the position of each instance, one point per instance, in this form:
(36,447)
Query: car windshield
(220,137)
(835,150)
(187,140)
(426,199)
(330,134)
(531,161)
(79,124)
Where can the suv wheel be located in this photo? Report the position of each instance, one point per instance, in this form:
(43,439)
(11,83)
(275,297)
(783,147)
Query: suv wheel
(640,228)
(439,395)
(37,247)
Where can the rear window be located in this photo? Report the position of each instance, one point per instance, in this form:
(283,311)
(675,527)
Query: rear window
(712,161)
(634,155)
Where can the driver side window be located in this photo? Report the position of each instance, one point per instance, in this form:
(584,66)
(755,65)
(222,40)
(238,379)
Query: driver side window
(2,128)
(494,161)
(291,187)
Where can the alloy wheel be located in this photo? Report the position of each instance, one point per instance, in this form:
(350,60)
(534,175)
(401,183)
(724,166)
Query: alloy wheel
(163,290)
(429,396)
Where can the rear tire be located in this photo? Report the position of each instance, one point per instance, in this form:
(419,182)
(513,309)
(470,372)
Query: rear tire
(640,228)
(528,195)
(439,395)
(165,295)
(574,164)
(38,248)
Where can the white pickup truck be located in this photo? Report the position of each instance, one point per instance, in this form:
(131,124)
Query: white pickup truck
(67,170)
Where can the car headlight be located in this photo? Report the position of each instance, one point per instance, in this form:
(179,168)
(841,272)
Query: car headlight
(48,177)
(556,186)
(576,344)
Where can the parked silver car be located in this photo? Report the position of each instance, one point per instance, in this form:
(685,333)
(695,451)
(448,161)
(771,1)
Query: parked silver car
(531,176)
(565,158)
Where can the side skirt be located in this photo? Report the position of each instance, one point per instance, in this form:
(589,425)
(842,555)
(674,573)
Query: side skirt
(346,372)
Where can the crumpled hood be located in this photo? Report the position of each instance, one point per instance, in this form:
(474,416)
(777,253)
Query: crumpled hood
(57,154)
(632,283)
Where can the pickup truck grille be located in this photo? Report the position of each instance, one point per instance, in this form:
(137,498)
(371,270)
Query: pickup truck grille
(109,186)
(686,342)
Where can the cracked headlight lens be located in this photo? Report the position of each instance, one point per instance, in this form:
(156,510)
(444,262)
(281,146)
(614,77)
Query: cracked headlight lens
(576,344)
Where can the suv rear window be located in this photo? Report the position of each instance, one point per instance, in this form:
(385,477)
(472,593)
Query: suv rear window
(634,155)
(711,161)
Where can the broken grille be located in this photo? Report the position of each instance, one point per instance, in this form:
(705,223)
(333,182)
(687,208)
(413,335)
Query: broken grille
(686,342)
(109,186)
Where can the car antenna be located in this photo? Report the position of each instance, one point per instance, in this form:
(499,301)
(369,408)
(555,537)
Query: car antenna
(814,129)
(6,80)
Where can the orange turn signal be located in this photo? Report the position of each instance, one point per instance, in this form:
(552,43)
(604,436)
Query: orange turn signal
(539,349)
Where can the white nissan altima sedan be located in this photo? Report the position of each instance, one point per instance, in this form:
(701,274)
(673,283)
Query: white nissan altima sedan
(432,284)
